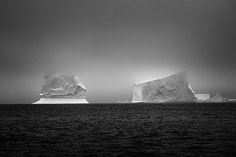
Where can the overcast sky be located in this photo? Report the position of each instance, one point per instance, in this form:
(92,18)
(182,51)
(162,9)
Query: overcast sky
(111,44)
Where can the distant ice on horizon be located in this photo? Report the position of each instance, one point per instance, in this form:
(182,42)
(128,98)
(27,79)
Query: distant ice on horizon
(202,97)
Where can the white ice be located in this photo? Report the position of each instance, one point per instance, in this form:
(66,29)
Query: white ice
(61,101)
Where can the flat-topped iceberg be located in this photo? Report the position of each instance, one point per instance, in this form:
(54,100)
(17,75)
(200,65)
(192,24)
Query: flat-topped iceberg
(62,88)
(174,88)
(202,97)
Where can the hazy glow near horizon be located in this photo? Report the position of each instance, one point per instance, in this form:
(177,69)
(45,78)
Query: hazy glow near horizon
(113,44)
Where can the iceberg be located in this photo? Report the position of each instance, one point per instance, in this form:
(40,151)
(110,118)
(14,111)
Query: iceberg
(202,97)
(62,88)
(217,99)
(174,88)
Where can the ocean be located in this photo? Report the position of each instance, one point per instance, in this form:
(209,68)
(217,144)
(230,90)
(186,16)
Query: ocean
(118,130)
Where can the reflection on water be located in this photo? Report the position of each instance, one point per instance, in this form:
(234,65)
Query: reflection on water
(118,130)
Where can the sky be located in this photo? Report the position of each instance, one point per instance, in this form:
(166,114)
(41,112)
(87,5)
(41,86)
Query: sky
(111,44)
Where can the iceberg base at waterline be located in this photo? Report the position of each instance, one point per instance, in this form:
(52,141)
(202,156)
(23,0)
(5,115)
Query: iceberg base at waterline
(61,101)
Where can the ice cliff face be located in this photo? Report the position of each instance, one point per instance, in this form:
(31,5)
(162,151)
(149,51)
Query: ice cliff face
(63,85)
(65,88)
(174,88)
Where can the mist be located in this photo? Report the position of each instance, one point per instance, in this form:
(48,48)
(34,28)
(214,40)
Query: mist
(112,44)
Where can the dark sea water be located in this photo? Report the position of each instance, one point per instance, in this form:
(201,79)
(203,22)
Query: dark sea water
(118,130)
